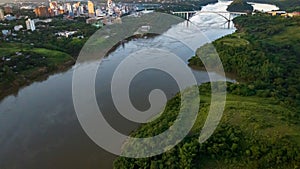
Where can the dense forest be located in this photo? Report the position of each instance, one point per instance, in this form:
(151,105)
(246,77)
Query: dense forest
(260,125)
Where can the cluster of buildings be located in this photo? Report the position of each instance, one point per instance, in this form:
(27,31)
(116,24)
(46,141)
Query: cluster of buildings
(284,13)
(30,25)
(66,33)
(96,14)
(76,9)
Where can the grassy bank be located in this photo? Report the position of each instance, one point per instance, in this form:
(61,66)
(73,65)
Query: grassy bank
(21,64)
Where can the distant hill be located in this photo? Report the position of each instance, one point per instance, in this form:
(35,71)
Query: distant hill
(289,5)
(240,6)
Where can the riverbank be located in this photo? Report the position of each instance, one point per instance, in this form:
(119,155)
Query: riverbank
(23,64)
(263,53)
(260,124)
(40,128)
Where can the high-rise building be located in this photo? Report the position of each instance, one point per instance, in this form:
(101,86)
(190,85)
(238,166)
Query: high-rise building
(30,25)
(60,7)
(68,8)
(75,8)
(56,12)
(41,11)
(109,7)
(8,9)
(51,12)
(76,5)
(99,12)
(53,5)
(91,9)
(80,10)
(1,15)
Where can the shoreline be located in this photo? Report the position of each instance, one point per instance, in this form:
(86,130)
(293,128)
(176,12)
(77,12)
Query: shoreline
(44,73)
(21,81)
(227,74)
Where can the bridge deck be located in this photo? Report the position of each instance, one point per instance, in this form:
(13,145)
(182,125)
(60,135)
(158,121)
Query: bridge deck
(219,12)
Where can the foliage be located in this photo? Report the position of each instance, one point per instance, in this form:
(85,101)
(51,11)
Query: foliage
(239,6)
(260,124)
(254,133)
(264,55)
(44,35)
(20,63)
(27,55)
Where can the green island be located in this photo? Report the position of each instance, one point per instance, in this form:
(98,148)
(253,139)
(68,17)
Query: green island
(260,125)
(240,6)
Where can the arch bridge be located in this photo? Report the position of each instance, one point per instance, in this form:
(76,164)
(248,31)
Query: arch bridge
(188,14)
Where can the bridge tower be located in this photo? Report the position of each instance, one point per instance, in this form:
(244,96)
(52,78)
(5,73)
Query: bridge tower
(229,20)
(109,7)
(185,14)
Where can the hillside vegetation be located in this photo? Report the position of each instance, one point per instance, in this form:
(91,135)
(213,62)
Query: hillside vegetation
(260,125)
(254,133)
(264,55)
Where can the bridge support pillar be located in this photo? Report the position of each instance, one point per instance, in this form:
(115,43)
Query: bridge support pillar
(228,24)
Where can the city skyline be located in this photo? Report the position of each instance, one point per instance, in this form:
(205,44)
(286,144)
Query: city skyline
(46,1)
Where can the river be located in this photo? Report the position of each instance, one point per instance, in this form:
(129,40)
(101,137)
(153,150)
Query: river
(39,127)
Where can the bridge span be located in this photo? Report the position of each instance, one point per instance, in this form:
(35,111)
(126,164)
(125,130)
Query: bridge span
(188,14)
